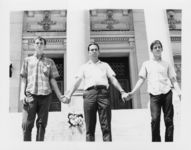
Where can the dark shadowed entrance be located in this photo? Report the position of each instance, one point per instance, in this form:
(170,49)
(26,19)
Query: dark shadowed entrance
(56,104)
(121,67)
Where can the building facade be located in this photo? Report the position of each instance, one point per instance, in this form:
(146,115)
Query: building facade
(121,34)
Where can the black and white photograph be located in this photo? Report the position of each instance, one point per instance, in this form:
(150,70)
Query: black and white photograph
(113,74)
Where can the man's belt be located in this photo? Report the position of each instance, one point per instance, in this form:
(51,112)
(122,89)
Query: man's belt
(97,87)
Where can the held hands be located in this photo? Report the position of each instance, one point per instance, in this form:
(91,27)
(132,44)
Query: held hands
(65,99)
(126,96)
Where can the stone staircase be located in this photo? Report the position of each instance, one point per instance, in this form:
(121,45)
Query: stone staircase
(130,125)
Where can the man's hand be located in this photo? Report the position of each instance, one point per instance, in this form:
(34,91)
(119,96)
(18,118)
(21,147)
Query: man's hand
(125,96)
(65,99)
(23,99)
(130,95)
(26,99)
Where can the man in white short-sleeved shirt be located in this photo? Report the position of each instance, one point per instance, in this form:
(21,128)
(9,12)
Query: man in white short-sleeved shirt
(158,74)
(161,78)
(95,75)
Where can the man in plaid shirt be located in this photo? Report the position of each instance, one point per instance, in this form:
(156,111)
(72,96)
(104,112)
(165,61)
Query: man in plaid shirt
(38,78)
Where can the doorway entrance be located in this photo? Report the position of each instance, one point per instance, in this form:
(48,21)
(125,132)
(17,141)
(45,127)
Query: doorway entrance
(56,104)
(120,66)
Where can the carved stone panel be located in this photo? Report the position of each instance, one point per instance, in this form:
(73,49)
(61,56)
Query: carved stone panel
(50,24)
(45,21)
(174,19)
(111,20)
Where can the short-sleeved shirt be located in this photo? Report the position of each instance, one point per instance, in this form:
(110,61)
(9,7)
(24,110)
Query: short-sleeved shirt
(158,74)
(95,74)
(38,73)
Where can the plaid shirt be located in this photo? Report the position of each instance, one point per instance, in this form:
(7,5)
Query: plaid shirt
(38,73)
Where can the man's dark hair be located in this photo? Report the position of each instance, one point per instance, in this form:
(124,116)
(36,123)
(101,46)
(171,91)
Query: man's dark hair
(41,39)
(93,44)
(155,42)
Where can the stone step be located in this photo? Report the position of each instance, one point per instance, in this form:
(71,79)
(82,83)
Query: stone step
(131,125)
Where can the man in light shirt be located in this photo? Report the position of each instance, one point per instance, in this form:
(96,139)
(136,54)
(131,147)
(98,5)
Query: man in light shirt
(96,75)
(161,78)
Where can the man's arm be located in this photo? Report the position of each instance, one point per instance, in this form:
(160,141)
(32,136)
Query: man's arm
(74,87)
(56,89)
(172,77)
(23,90)
(176,86)
(137,86)
(117,85)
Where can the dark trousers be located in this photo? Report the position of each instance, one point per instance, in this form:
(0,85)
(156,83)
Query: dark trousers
(96,100)
(40,106)
(163,101)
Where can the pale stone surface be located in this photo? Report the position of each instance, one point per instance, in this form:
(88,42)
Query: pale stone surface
(141,53)
(15,59)
(131,125)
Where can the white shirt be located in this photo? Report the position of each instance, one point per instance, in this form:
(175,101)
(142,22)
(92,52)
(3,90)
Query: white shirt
(95,74)
(158,74)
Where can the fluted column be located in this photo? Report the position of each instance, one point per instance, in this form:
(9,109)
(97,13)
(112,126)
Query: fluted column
(16,27)
(78,33)
(77,42)
(157,29)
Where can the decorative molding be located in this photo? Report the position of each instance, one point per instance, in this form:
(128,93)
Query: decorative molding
(52,44)
(113,39)
(44,21)
(115,42)
(50,24)
(111,20)
(175,38)
(174,19)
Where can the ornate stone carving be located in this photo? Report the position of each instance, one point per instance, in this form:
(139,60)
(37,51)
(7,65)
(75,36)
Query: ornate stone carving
(112,28)
(50,24)
(174,19)
(47,22)
(175,38)
(111,20)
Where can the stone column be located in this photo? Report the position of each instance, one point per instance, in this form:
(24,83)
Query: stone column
(78,33)
(16,24)
(157,29)
(140,55)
